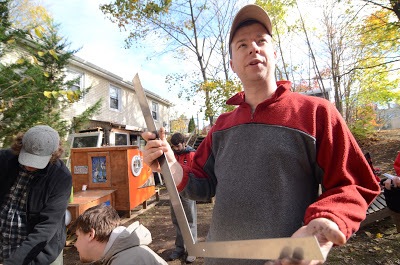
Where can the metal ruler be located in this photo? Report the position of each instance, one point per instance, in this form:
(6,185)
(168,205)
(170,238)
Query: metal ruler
(306,248)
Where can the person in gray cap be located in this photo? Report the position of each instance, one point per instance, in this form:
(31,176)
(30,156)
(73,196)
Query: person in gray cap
(34,192)
(281,164)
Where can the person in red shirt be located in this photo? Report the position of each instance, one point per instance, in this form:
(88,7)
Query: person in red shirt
(280,164)
(184,155)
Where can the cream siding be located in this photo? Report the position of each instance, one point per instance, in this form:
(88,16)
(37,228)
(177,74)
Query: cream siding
(99,81)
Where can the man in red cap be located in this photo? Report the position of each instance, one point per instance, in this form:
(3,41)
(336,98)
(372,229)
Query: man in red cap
(268,159)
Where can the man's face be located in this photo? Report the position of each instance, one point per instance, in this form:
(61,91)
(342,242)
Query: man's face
(30,169)
(253,55)
(178,148)
(83,246)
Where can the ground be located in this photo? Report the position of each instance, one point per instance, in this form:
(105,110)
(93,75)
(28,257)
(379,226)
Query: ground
(377,243)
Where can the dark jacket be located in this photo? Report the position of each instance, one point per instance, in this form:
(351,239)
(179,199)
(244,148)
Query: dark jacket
(47,202)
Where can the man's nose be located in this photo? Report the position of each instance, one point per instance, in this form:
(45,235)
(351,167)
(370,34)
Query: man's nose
(254,47)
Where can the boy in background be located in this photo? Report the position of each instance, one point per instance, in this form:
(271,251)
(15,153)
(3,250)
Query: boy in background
(101,239)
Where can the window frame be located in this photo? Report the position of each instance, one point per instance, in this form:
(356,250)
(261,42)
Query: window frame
(118,99)
(72,74)
(155,110)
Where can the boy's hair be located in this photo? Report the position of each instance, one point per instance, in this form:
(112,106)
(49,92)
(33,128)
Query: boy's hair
(101,218)
(177,138)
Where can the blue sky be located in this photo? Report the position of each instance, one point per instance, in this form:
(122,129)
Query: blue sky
(101,42)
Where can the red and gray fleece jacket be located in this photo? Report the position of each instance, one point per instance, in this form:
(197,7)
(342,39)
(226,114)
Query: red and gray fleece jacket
(266,168)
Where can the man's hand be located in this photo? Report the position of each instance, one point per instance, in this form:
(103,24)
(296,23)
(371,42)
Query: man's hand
(392,183)
(155,148)
(327,234)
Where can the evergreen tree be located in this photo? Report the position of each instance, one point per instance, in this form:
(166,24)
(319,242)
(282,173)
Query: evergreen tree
(33,84)
(191,126)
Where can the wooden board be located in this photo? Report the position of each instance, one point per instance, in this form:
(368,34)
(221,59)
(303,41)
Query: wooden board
(377,211)
(83,200)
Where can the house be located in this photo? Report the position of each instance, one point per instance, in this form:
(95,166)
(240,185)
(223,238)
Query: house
(111,173)
(388,116)
(120,119)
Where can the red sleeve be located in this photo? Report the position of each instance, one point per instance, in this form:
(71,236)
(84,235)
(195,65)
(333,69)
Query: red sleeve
(186,169)
(397,164)
(198,160)
(190,157)
(349,185)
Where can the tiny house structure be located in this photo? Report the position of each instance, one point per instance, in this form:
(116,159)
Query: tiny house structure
(101,136)
(115,175)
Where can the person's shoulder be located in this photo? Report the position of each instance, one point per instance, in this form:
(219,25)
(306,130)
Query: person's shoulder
(59,168)
(190,149)
(223,117)
(138,254)
(6,154)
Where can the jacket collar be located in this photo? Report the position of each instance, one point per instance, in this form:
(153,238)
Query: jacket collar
(283,87)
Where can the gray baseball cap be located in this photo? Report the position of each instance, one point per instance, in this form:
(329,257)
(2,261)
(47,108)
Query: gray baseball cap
(38,145)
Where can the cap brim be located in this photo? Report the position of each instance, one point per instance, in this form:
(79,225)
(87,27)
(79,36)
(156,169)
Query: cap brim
(250,12)
(31,160)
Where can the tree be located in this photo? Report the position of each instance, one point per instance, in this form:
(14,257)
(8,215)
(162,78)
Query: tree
(383,27)
(355,54)
(7,38)
(188,27)
(33,86)
(26,81)
(220,91)
(81,121)
(334,58)
(191,126)
(26,15)
(360,60)
(278,12)
(392,5)
(179,124)
(375,73)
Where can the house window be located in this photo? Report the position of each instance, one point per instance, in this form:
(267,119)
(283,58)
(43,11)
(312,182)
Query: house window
(115,98)
(154,110)
(75,80)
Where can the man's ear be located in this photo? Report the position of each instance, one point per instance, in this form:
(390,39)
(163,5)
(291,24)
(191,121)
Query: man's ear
(92,234)
(231,64)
